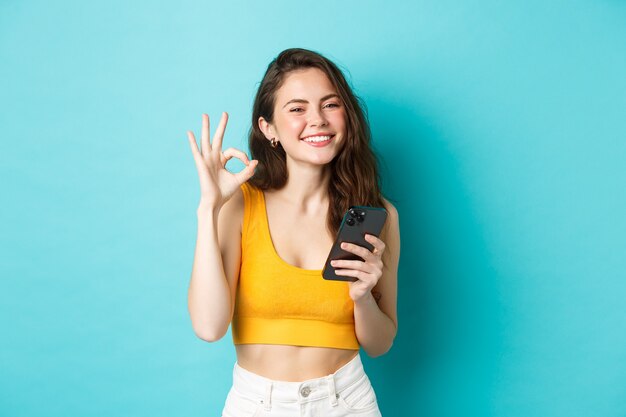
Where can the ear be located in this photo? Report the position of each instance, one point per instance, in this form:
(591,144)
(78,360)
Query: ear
(266,128)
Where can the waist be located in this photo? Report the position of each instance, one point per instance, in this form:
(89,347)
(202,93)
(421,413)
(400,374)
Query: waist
(292,363)
(257,385)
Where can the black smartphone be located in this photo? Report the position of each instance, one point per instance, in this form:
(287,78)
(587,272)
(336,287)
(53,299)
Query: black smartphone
(358,221)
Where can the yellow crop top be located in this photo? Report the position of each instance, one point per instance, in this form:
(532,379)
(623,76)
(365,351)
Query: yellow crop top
(278,303)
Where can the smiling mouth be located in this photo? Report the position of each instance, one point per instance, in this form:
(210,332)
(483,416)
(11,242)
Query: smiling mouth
(318,139)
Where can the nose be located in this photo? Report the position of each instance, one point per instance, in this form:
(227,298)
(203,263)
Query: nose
(317,118)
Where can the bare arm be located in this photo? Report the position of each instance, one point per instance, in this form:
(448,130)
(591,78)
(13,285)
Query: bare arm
(210,298)
(217,256)
(374,329)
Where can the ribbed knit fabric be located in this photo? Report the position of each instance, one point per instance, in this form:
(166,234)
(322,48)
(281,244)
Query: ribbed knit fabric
(278,303)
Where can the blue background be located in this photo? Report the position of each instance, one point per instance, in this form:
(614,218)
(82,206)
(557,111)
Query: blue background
(501,127)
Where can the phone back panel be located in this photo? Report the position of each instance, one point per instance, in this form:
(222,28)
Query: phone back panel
(369,220)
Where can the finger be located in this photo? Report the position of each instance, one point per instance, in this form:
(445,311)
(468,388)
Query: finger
(360,275)
(197,157)
(378,244)
(358,250)
(358,265)
(219,133)
(232,152)
(192,143)
(245,174)
(206,146)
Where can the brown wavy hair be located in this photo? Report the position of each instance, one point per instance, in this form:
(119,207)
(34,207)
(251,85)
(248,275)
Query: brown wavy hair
(354,177)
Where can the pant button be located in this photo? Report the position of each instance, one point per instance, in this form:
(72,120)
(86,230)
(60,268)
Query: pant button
(305,391)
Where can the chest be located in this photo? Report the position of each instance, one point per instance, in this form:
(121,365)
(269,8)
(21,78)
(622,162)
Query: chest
(299,239)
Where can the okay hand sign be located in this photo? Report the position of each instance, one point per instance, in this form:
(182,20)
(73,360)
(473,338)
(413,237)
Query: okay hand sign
(217,184)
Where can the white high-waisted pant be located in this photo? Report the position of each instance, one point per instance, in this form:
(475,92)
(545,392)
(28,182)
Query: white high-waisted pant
(347,392)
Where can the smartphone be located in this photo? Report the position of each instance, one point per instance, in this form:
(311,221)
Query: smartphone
(358,221)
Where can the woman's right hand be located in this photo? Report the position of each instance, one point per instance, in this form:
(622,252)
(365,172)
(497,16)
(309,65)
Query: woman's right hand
(217,184)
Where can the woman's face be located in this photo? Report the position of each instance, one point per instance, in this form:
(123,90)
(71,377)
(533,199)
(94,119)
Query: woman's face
(307,111)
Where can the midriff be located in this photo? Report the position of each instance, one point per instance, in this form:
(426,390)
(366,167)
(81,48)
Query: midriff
(292,363)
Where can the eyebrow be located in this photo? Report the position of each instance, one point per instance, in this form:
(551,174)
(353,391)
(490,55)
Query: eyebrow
(300,100)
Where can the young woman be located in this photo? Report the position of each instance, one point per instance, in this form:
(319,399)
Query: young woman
(264,234)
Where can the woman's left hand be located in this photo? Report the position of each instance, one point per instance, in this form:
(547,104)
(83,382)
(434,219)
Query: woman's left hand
(367,272)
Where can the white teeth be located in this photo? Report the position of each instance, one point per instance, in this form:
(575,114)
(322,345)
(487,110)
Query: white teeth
(316,139)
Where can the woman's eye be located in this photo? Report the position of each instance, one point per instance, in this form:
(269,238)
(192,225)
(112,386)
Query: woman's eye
(300,109)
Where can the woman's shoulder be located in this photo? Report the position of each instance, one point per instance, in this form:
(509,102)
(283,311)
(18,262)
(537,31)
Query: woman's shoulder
(249,189)
(232,211)
(245,198)
(391,209)
(392,225)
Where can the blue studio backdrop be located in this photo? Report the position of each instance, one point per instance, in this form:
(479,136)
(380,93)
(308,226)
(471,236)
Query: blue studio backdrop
(501,132)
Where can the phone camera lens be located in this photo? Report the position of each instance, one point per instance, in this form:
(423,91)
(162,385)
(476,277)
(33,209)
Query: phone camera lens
(350,222)
(352,212)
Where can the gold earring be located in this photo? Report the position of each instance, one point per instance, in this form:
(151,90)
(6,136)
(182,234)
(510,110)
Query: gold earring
(274,142)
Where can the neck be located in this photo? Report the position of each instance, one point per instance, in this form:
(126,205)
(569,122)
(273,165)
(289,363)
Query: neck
(307,187)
